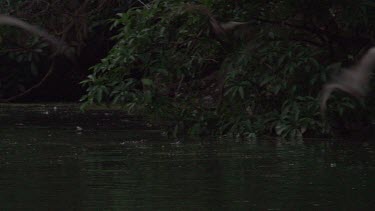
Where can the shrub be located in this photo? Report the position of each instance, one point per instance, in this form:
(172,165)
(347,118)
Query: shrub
(261,78)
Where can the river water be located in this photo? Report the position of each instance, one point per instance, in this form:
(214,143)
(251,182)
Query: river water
(52,157)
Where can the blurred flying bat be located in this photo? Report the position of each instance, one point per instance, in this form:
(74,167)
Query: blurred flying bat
(219,28)
(354,80)
(12,21)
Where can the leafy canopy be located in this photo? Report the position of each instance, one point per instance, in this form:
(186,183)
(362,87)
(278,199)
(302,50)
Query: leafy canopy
(262,77)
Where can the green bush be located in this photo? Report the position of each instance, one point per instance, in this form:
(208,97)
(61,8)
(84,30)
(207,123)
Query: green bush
(261,78)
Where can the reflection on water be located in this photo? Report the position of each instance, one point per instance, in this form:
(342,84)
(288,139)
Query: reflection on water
(54,166)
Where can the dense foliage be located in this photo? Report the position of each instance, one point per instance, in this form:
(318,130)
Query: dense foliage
(263,77)
(171,63)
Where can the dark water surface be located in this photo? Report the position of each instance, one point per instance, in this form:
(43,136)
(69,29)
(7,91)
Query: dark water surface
(48,163)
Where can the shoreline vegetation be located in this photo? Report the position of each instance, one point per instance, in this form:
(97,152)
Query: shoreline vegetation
(213,68)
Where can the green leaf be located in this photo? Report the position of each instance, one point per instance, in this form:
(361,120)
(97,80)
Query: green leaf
(241,91)
(280,128)
(99,95)
(147,82)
